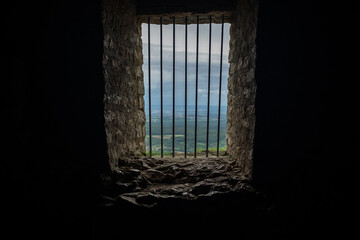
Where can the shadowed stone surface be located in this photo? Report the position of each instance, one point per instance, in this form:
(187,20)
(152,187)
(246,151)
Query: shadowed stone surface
(149,181)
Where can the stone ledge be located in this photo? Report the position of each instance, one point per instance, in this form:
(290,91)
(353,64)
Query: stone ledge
(147,182)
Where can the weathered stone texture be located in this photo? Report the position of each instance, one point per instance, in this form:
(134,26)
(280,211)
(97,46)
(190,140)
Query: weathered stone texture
(241,84)
(167,18)
(149,182)
(124,85)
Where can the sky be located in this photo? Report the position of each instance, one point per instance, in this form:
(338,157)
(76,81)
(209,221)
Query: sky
(180,64)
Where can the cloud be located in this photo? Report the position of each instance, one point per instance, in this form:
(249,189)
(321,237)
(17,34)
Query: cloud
(203,64)
(180,36)
(212,91)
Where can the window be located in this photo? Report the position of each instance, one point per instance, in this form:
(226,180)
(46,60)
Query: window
(185,74)
(124,95)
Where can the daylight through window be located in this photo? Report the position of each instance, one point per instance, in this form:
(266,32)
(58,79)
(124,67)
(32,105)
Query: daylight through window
(185,74)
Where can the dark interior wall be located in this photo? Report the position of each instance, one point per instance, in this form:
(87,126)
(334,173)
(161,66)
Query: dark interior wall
(56,138)
(199,6)
(302,133)
(292,74)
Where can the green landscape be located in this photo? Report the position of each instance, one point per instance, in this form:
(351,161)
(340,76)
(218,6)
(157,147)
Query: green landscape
(180,131)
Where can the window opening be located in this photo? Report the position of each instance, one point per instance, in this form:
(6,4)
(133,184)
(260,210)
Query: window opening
(168,130)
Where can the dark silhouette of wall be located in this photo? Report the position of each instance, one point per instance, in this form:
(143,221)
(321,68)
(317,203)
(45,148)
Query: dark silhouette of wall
(303,61)
(55,139)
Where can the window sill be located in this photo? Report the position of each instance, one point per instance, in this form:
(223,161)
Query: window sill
(147,182)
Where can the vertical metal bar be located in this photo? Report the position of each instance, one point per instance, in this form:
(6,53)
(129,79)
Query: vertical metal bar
(173,138)
(197,81)
(208,105)
(185,87)
(149,87)
(161,89)
(221,56)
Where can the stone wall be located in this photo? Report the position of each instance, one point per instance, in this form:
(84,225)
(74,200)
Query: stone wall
(241,84)
(124,85)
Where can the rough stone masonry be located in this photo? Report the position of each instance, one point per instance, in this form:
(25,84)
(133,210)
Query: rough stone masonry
(124,85)
(124,82)
(241,85)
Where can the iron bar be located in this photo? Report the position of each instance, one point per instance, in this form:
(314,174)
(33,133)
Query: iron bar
(220,78)
(185,87)
(197,80)
(208,104)
(161,89)
(173,138)
(149,87)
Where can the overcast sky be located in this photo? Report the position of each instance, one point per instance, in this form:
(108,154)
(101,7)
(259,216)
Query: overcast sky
(180,63)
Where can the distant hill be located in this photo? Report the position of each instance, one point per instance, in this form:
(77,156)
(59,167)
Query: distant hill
(167,109)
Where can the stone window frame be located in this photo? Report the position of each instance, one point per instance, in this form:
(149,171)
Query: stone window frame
(122,62)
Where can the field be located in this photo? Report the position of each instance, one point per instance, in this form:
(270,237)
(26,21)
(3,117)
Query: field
(180,132)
